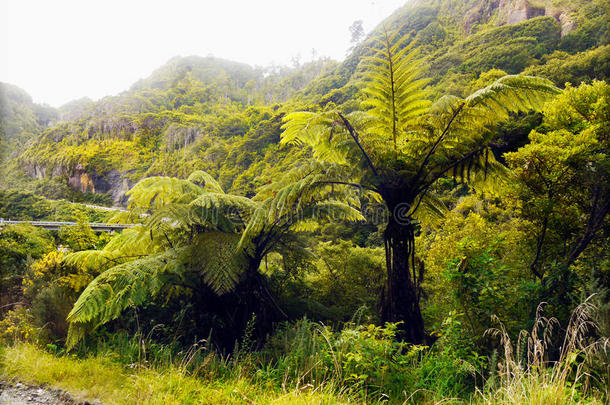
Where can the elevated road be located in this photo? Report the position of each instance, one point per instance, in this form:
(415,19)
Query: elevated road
(53,225)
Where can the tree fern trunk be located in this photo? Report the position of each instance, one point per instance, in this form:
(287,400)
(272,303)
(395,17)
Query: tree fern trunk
(253,301)
(401,296)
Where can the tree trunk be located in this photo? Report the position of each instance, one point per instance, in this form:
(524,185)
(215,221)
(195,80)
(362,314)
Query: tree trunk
(252,302)
(400,302)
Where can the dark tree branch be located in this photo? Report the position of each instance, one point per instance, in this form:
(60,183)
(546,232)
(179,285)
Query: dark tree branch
(354,135)
(544,180)
(421,195)
(596,220)
(171,245)
(534,264)
(438,141)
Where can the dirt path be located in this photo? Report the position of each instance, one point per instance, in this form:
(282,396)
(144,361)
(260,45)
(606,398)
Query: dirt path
(21,394)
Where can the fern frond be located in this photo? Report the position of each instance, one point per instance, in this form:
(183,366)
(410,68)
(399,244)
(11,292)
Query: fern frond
(431,209)
(135,241)
(97,260)
(206,181)
(154,192)
(484,173)
(168,219)
(130,283)
(215,256)
(132,216)
(291,201)
(395,92)
(221,211)
(332,211)
(320,131)
(513,93)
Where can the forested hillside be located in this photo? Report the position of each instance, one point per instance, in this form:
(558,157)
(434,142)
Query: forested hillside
(224,117)
(425,221)
(191,113)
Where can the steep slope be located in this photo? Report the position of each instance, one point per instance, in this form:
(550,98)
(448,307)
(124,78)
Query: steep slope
(460,39)
(20,118)
(225,117)
(192,112)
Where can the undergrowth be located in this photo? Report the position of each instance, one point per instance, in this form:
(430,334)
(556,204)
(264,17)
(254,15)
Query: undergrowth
(309,362)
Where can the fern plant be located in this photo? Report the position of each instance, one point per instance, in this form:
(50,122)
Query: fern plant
(400,145)
(192,235)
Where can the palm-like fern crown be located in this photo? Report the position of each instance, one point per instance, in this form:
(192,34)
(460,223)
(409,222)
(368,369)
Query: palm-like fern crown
(192,232)
(303,194)
(395,100)
(401,143)
(394,91)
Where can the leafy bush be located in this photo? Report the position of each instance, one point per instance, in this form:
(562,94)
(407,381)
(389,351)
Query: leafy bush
(451,368)
(51,287)
(479,248)
(371,362)
(347,277)
(562,68)
(17,326)
(483,286)
(19,244)
(28,206)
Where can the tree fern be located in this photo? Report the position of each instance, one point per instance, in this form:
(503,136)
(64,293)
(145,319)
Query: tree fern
(400,145)
(196,236)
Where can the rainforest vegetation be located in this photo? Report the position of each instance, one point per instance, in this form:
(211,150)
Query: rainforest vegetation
(424,222)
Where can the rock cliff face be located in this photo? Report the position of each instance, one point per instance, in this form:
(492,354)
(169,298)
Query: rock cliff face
(515,11)
(512,12)
(115,183)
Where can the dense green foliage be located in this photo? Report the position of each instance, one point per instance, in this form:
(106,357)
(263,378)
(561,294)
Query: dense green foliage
(27,206)
(224,117)
(382,229)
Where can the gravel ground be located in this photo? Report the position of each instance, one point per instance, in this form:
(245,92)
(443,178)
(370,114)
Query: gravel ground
(21,394)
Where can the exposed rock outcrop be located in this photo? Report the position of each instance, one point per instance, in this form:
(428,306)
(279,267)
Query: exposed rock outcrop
(567,23)
(512,12)
(113,182)
(481,13)
(516,11)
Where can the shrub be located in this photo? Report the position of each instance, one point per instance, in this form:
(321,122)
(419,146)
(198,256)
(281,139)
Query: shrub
(16,326)
(370,362)
(19,244)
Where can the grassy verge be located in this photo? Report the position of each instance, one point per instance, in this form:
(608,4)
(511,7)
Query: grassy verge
(98,378)
(308,363)
(111,383)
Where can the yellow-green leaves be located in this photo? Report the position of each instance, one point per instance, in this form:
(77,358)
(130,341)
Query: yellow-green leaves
(394,87)
(508,94)
(206,181)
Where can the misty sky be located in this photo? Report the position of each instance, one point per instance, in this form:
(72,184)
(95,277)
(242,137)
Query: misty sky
(61,50)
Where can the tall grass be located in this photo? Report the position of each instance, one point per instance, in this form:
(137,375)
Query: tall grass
(308,362)
(358,361)
(526,376)
(100,378)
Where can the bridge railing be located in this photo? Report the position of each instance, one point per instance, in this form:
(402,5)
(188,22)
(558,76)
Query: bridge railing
(58,224)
